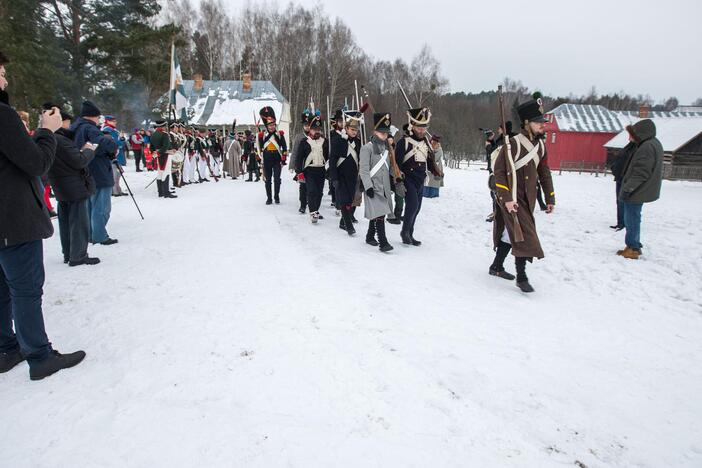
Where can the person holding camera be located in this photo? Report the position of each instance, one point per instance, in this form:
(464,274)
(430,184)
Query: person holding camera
(73,186)
(24,223)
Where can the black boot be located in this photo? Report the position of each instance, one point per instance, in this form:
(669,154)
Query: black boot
(54,363)
(370,235)
(167,190)
(522,280)
(276,198)
(406,239)
(346,221)
(159,185)
(497,268)
(269,196)
(415,242)
(382,238)
(9,360)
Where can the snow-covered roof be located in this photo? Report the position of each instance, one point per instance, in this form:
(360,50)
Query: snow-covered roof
(589,118)
(220,102)
(673,133)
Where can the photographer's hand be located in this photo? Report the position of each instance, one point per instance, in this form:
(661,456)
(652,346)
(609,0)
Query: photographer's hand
(51,119)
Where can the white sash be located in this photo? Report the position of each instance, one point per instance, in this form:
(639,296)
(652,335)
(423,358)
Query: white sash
(532,155)
(416,148)
(352,153)
(379,164)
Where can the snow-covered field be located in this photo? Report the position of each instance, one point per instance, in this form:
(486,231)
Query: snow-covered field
(224,333)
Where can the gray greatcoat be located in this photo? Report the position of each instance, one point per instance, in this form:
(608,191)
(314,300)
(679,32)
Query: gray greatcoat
(232,158)
(432,180)
(381,203)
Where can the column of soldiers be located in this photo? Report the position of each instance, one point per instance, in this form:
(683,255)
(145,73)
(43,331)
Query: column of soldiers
(379,173)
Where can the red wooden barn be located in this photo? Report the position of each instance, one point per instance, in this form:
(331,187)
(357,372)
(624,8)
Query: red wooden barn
(578,132)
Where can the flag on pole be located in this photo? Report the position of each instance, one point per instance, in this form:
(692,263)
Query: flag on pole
(178,99)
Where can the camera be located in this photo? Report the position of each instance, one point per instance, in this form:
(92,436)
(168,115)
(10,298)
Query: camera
(487,132)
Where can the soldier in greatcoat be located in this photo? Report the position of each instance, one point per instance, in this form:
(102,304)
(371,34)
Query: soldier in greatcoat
(520,166)
(375,177)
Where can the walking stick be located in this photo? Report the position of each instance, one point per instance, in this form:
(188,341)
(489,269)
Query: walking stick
(121,173)
(518,233)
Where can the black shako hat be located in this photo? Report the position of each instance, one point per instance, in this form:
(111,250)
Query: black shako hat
(531,111)
(338,115)
(306,117)
(316,122)
(267,115)
(88,109)
(159,123)
(353,118)
(419,117)
(382,122)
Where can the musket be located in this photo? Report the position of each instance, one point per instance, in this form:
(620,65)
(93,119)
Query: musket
(518,233)
(393,162)
(256,149)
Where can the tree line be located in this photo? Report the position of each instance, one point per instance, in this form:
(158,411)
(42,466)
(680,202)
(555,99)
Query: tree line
(116,52)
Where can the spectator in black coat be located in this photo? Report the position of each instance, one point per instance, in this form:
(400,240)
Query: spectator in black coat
(73,186)
(24,223)
(617,167)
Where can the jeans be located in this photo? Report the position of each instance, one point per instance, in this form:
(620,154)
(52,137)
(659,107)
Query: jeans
(100,206)
(620,206)
(632,222)
(116,188)
(21,283)
(74,229)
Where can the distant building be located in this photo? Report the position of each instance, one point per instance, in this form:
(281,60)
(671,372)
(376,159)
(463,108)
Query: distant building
(682,146)
(214,104)
(577,133)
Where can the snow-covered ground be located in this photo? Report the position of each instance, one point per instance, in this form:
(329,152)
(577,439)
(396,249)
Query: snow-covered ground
(224,333)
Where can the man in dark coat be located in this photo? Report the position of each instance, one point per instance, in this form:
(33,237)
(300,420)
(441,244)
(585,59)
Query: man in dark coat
(306,119)
(24,223)
(617,168)
(252,158)
(100,203)
(73,186)
(343,169)
(274,152)
(414,155)
(641,183)
(521,164)
(311,159)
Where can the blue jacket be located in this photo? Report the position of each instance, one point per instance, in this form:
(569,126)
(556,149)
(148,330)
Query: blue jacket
(101,166)
(121,158)
(85,131)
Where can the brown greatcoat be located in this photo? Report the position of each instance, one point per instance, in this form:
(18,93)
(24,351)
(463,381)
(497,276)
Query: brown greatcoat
(527,178)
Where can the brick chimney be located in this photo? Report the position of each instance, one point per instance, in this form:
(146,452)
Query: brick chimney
(644,111)
(197,86)
(246,85)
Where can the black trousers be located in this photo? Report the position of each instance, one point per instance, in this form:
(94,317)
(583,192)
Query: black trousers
(314,179)
(138,158)
(303,195)
(271,170)
(74,229)
(414,183)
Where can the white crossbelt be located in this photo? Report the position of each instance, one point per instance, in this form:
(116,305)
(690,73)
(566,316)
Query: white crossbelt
(352,153)
(532,155)
(383,162)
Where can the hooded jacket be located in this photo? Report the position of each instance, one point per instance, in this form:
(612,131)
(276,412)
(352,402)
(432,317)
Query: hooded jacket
(643,173)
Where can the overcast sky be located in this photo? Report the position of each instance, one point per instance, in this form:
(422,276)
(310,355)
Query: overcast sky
(559,46)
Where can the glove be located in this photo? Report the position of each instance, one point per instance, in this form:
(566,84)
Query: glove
(370,192)
(301,177)
(282,161)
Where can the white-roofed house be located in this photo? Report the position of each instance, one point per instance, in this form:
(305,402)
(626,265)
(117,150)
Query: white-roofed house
(577,133)
(217,103)
(682,145)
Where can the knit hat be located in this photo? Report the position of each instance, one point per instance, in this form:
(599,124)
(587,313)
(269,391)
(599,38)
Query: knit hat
(88,109)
